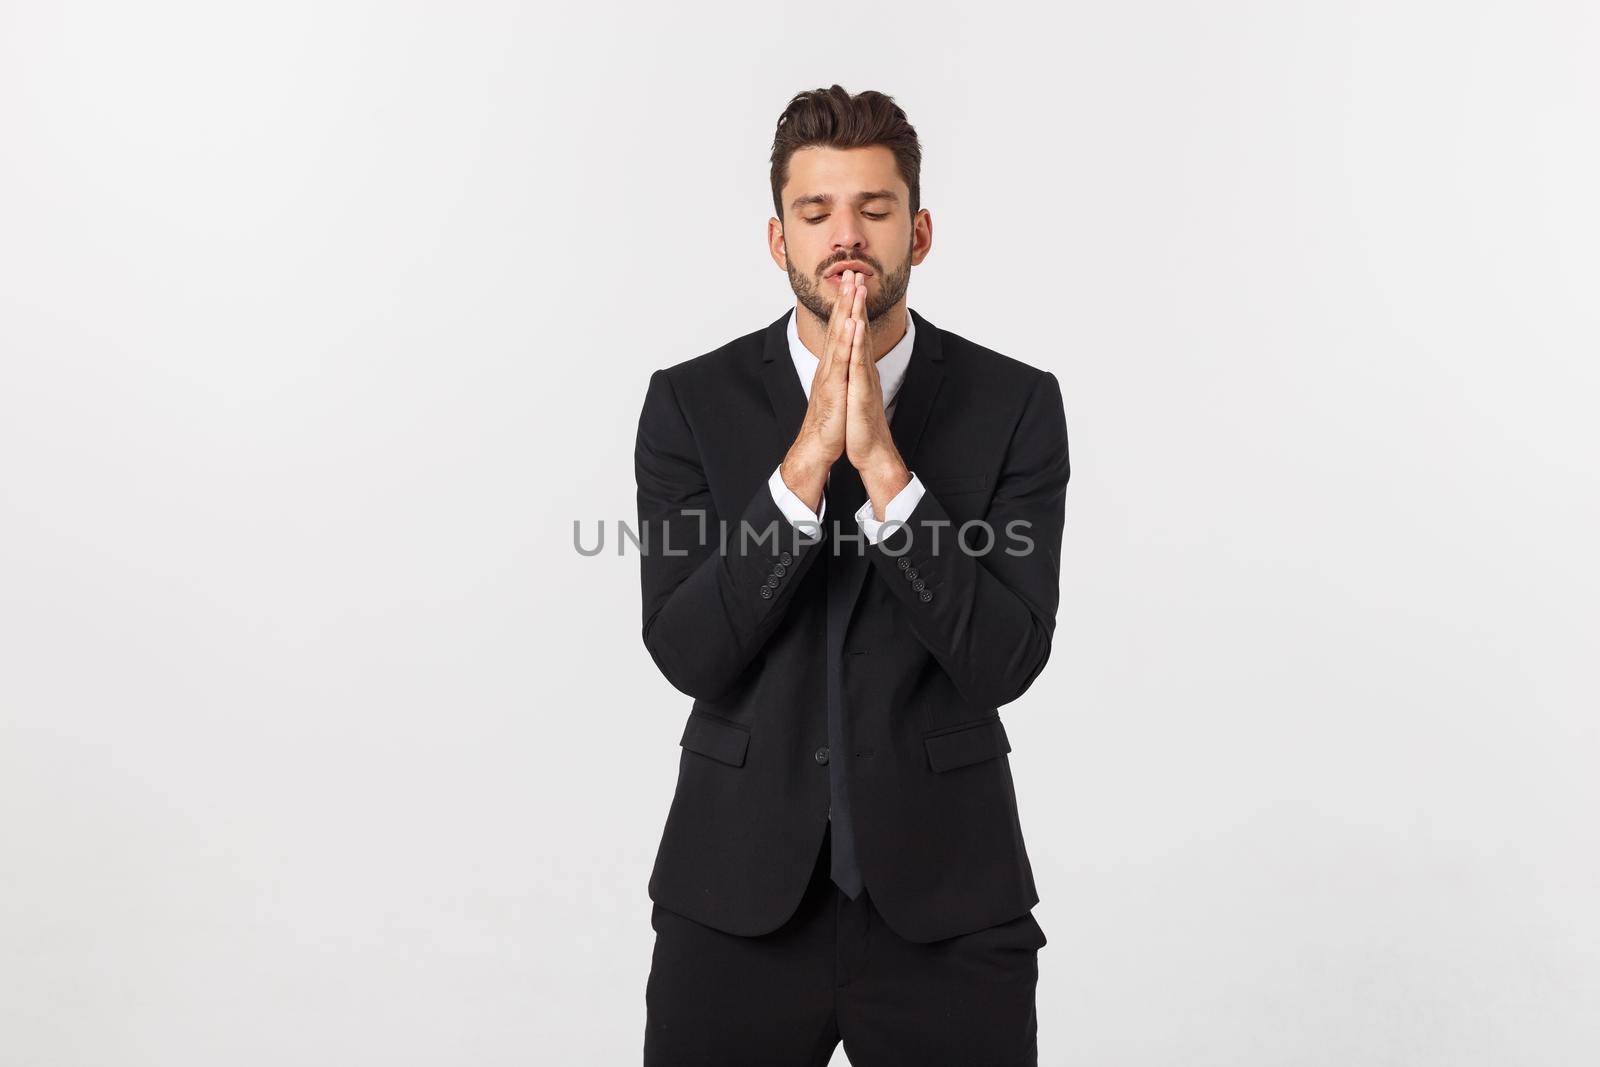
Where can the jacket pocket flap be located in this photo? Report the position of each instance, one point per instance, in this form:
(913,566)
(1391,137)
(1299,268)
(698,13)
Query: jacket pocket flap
(967,744)
(955,483)
(712,737)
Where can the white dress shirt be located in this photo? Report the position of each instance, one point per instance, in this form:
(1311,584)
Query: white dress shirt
(891,373)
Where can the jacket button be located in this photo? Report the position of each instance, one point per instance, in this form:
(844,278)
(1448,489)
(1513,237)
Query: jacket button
(786,558)
(766,594)
(780,570)
(919,585)
(772,581)
(912,574)
(926,595)
(821,755)
(903,563)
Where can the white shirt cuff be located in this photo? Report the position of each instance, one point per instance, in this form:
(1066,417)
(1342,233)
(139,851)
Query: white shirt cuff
(898,510)
(794,509)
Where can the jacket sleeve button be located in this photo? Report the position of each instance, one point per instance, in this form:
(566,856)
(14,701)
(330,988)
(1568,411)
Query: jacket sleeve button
(926,595)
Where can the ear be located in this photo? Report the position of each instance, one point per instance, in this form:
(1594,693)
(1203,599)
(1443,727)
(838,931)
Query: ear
(777,248)
(921,236)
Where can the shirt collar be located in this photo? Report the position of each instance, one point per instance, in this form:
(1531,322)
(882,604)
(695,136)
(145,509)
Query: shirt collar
(891,368)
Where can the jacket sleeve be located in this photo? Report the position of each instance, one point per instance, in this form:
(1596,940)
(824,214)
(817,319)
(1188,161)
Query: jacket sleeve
(987,612)
(714,587)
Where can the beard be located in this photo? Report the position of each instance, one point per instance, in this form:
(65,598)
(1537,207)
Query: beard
(814,297)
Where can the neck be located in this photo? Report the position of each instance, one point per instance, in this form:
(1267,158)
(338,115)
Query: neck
(883,332)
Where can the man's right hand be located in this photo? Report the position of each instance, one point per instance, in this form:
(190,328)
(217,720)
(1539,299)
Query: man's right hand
(820,441)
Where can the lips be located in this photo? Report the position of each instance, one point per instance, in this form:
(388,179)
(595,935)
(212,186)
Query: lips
(839,268)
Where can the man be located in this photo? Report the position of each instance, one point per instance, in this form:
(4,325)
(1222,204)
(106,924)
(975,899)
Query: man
(851,533)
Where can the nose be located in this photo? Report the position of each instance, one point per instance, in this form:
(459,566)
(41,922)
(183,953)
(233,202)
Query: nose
(848,241)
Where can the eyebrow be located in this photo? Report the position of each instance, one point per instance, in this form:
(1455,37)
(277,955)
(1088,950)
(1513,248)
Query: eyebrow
(826,200)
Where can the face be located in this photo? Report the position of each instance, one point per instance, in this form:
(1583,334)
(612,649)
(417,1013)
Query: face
(847,205)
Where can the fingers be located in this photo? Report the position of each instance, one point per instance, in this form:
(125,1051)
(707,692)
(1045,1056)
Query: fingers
(836,346)
(858,315)
(863,361)
(841,359)
(863,365)
(849,283)
(858,345)
(848,287)
(841,303)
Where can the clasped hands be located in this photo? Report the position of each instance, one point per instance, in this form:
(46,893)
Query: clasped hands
(845,415)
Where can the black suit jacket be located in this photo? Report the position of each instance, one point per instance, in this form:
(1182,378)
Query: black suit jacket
(939,638)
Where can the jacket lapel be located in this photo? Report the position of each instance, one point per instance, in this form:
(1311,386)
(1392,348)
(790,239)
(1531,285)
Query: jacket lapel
(784,390)
(924,376)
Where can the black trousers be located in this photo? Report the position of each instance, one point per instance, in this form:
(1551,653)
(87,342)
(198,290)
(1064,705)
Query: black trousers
(836,971)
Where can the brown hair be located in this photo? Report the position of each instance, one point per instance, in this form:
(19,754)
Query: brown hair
(833,118)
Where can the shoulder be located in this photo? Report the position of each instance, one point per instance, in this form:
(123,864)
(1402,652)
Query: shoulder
(718,362)
(988,372)
(718,377)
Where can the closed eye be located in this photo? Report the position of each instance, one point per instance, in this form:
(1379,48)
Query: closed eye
(874,216)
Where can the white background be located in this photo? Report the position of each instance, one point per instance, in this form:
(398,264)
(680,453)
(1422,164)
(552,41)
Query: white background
(322,322)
